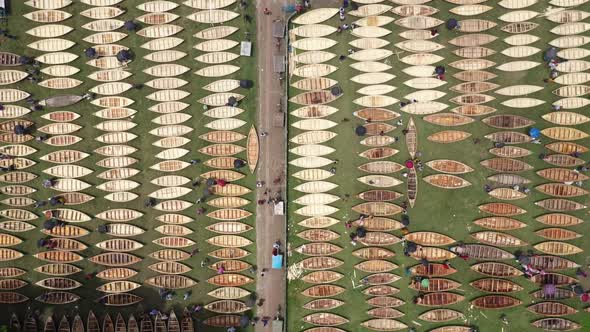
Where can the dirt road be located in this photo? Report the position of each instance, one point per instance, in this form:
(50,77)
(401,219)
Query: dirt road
(269,228)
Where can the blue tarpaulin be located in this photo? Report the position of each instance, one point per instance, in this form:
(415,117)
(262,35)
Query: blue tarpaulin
(534,133)
(277,261)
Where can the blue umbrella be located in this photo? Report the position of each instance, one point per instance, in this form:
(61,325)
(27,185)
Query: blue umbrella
(534,132)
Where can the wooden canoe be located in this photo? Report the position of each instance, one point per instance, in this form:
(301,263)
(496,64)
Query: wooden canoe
(496,285)
(483,252)
(323,291)
(379,195)
(561,175)
(559,219)
(558,248)
(560,205)
(58,297)
(383,324)
(58,283)
(170,281)
(557,279)
(561,190)
(58,269)
(440,299)
(429,239)
(320,263)
(120,299)
(474,75)
(506,165)
(552,309)
(379,239)
(375,266)
(448,136)
(449,166)
(448,119)
(436,285)
(381,290)
(495,302)
(230,280)
(441,315)
(325,319)
(556,324)
(499,223)
(115,259)
(322,277)
(432,270)
(228,253)
(432,254)
(446,181)
(373,253)
(376,114)
(496,269)
(552,263)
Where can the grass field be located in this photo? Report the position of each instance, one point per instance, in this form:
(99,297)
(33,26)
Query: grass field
(145,154)
(450,212)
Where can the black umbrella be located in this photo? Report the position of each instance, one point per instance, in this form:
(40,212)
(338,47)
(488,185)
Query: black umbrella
(360,131)
(54,200)
(124,55)
(211,182)
(361,232)
(25,60)
(49,224)
(405,220)
(452,24)
(231,101)
(411,247)
(246,84)
(103,229)
(336,91)
(91,53)
(130,26)
(244,320)
(20,129)
(239,163)
(524,260)
(439,70)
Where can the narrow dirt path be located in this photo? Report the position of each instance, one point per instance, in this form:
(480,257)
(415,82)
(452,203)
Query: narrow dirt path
(269,228)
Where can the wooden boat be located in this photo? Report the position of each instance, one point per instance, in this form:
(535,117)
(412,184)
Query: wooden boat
(64,325)
(446,181)
(436,285)
(119,299)
(325,319)
(379,239)
(506,165)
(230,280)
(560,205)
(323,291)
(449,166)
(322,277)
(114,274)
(552,263)
(58,269)
(115,259)
(496,285)
(554,278)
(510,152)
(561,175)
(57,297)
(375,266)
(480,251)
(315,16)
(376,114)
(432,270)
(58,256)
(495,302)
(508,121)
(323,304)
(92,323)
(429,239)
(432,254)
(448,136)
(499,223)
(474,75)
(440,299)
(441,315)
(496,269)
(448,119)
(373,253)
(561,190)
(566,118)
(552,309)
(558,248)
(383,324)
(379,195)
(559,219)
(556,324)
(170,281)
(501,209)
(320,263)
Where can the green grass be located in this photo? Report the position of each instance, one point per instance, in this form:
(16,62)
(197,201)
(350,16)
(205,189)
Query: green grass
(145,154)
(449,212)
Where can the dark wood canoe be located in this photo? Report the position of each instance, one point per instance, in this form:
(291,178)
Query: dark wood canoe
(496,269)
(77,324)
(378,128)
(146,324)
(159,324)
(432,270)
(186,324)
(554,279)
(557,295)
(107,324)
(440,299)
(552,263)
(30,324)
(561,190)
(556,324)
(223,321)
(132,324)
(412,186)
(323,291)
(120,325)
(60,101)
(496,302)
(92,323)
(64,325)
(49,325)
(57,297)
(508,121)
(8,59)
(552,309)
(173,324)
